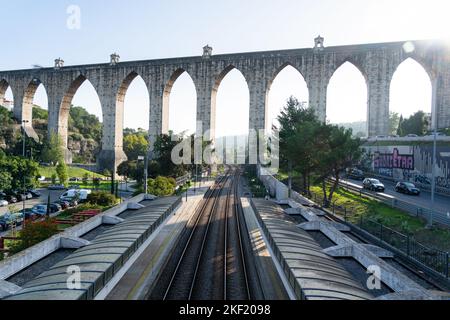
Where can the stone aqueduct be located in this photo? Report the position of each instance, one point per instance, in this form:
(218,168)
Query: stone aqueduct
(377,63)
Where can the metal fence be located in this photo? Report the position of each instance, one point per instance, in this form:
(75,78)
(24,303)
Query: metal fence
(434,259)
(412,209)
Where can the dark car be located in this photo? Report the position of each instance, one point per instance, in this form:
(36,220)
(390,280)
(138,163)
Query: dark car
(55,207)
(28,213)
(355,174)
(8,197)
(35,193)
(373,185)
(72,201)
(407,188)
(57,187)
(64,204)
(9,219)
(18,195)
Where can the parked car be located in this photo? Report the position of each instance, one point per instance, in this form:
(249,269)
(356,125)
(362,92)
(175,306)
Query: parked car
(407,188)
(79,194)
(373,184)
(35,193)
(411,135)
(10,198)
(21,196)
(8,219)
(55,207)
(72,201)
(355,174)
(74,179)
(40,209)
(64,204)
(3,203)
(56,187)
(28,214)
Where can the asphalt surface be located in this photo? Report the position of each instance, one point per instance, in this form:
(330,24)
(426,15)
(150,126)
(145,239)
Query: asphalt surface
(441,203)
(54,196)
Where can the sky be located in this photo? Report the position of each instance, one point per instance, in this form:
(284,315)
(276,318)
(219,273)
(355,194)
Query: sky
(37,32)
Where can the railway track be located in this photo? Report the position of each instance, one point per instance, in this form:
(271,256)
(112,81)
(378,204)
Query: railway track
(213,263)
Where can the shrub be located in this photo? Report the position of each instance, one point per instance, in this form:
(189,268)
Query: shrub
(162,186)
(102,198)
(33,233)
(80,208)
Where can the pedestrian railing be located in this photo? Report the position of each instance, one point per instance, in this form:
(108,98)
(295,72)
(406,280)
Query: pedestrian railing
(434,259)
(412,209)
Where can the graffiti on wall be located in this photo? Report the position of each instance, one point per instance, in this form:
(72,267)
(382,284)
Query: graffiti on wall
(411,163)
(393,160)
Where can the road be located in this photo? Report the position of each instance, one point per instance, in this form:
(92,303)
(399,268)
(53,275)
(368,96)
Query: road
(54,195)
(442,203)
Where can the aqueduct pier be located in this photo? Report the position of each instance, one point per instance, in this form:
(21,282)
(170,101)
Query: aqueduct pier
(377,63)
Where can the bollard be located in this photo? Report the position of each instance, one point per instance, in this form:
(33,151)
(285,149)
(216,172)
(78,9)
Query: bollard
(448,262)
(407,245)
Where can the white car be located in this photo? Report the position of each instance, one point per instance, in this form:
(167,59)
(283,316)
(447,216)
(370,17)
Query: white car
(3,203)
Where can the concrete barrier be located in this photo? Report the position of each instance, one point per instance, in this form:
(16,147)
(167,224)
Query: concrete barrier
(26,258)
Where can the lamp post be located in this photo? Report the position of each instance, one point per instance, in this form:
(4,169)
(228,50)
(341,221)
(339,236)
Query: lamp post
(24,122)
(433,163)
(145,160)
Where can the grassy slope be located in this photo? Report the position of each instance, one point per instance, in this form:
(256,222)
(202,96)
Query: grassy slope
(393,218)
(73,172)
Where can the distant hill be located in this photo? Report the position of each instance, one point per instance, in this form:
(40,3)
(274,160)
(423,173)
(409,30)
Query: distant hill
(359,128)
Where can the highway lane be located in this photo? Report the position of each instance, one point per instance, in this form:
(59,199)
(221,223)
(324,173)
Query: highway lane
(442,203)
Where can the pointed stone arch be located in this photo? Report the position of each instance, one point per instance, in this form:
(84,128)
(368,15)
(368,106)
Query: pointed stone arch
(215,89)
(353,97)
(166,95)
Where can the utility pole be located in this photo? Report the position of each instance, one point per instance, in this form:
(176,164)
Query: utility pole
(146,174)
(433,165)
(24,198)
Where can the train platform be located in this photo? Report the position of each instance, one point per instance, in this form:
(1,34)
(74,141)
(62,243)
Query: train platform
(322,260)
(101,259)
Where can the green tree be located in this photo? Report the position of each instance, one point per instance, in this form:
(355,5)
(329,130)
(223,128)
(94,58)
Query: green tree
(162,186)
(101,198)
(52,151)
(299,140)
(39,113)
(394,121)
(20,169)
(54,177)
(340,151)
(61,171)
(416,124)
(5,180)
(135,145)
(163,155)
(81,121)
(86,178)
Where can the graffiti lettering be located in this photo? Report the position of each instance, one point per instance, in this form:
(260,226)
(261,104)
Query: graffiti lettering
(393,160)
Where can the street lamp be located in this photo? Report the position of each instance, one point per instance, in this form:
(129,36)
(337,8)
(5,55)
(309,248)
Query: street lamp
(433,164)
(24,122)
(145,160)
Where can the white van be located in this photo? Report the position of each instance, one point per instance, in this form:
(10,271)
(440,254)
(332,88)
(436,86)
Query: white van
(81,194)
